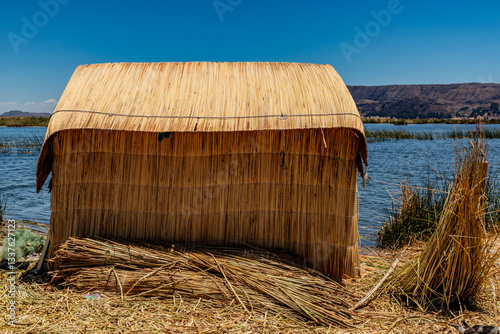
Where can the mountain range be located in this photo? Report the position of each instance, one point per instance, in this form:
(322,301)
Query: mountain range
(19,113)
(467,100)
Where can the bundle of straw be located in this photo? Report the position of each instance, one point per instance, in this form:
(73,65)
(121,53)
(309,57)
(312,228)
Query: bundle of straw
(255,278)
(459,256)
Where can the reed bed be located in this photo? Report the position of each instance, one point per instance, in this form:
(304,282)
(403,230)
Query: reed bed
(22,144)
(24,121)
(256,279)
(4,145)
(378,135)
(459,257)
(29,141)
(484,132)
(398,135)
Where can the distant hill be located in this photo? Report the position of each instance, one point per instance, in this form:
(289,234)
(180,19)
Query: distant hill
(19,113)
(428,101)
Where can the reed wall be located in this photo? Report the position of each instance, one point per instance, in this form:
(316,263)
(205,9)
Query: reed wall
(290,189)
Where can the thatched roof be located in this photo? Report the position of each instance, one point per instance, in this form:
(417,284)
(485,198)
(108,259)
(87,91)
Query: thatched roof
(202,97)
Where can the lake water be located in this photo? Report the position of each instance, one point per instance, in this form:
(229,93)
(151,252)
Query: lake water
(18,179)
(389,161)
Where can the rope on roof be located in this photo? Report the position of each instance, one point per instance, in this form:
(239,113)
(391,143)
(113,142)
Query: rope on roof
(282,116)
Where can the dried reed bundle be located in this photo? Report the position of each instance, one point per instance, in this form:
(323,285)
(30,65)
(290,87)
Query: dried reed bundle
(458,257)
(256,279)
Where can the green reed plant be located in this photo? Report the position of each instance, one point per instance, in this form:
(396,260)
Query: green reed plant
(398,135)
(5,145)
(31,141)
(492,216)
(412,217)
(3,205)
(416,211)
(28,143)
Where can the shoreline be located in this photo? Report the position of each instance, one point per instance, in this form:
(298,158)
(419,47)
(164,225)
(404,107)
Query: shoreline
(24,121)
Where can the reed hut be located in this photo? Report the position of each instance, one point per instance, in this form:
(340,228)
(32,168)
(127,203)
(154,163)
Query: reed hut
(198,152)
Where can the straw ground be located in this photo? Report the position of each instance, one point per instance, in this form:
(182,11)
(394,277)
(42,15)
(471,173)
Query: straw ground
(45,308)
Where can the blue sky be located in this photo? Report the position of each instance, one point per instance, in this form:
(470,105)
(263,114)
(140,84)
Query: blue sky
(367,42)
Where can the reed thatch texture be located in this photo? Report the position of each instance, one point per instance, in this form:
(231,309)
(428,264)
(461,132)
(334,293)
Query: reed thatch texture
(264,153)
(203,97)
